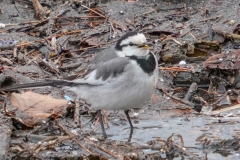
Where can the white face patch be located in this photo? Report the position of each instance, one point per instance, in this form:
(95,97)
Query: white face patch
(137,39)
(133,50)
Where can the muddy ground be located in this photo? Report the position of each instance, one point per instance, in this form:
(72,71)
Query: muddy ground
(194,113)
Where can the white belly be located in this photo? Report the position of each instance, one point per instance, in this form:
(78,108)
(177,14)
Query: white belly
(128,96)
(129,90)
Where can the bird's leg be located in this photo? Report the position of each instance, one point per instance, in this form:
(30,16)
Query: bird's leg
(102,124)
(131,126)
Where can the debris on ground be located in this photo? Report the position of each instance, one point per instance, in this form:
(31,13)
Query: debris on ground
(194,113)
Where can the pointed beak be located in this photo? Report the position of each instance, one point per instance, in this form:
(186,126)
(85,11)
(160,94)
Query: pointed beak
(146,46)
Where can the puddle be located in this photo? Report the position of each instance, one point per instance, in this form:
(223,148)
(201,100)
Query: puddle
(192,129)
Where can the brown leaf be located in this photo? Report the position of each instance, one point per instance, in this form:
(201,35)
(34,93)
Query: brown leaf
(36,105)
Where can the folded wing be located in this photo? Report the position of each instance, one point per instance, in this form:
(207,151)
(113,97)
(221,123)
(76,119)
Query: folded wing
(97,74)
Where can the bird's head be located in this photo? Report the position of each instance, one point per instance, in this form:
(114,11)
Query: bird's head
(132,44)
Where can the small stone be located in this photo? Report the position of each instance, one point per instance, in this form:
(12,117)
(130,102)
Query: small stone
(231,22)
(182,62)
(135,114)
(121,12)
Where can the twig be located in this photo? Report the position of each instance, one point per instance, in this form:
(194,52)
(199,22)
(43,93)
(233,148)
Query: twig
(186,33)
(173,39)
(77,115)
(202,36)
(211,18)
(104,17)
(40,12)
(15,52)
(200,99)
(30,22)
(48,142)
(193,36)
(225,110)
(178,99)
(71,66)
(114,31)
(50,65)
(80,17)
(102,149)
(227,35)
(56,35)
(178,69)
(70,135)
(192,89)
(148,12)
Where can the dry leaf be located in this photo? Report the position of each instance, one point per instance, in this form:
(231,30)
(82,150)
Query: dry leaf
(36,105)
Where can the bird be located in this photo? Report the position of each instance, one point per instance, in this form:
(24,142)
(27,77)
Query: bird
(125,80)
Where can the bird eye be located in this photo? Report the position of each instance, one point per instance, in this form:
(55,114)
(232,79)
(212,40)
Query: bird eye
(131,44)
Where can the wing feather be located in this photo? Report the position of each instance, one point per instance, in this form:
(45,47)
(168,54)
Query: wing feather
(104,72)
(97,74)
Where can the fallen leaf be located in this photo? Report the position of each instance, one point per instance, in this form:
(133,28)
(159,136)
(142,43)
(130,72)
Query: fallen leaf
(36,105)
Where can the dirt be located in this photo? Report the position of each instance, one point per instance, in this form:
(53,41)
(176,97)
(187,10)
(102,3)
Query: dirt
(193,114)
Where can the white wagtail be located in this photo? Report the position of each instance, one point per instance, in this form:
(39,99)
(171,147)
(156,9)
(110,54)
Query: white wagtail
(124,81)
